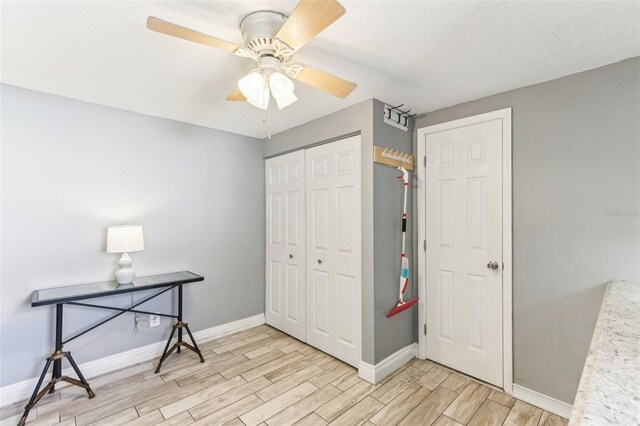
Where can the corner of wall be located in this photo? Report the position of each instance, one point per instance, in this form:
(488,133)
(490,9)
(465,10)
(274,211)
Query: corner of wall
(391,334)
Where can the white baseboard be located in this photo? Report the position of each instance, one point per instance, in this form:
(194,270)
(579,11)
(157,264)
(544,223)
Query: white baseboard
(376,373)
(543,401)
(22,390)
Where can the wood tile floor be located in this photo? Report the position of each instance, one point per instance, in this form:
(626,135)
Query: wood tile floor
(263,377)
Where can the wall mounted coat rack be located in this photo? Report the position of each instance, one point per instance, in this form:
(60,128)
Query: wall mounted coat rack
(391,157)
(396,117)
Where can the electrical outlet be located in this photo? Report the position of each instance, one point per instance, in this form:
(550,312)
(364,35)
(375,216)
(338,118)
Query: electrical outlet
(154,320)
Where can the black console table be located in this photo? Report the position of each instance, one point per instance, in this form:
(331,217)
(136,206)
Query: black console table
(72,295)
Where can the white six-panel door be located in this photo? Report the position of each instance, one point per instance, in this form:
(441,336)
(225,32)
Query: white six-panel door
(285,267)
(464,234)
(333,248)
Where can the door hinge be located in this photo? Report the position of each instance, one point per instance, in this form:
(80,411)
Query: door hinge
(424,245)
(425,329)
(425,161)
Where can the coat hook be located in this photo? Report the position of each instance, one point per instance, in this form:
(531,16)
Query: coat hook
(389,109)
(401,118)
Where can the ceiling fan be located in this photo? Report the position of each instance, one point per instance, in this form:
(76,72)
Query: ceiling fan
(271,39)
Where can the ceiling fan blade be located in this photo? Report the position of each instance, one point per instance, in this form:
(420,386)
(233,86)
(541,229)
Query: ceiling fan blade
(236,95)
(326,82)
(308,20)
(162,26)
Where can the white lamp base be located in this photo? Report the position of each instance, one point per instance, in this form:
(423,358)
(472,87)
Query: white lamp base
(126,274)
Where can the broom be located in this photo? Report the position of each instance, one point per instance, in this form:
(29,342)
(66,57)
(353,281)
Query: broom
(404,267)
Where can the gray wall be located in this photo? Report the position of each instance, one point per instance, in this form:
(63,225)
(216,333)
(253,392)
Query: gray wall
(400,330)
(70,169)
(576,158)
(381,209)
(347,121)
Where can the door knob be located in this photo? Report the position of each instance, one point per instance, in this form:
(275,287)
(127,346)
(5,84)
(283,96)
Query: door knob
(493,265)
(290,256)
(319,261)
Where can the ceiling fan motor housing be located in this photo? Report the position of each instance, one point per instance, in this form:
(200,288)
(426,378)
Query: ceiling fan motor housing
(259,29)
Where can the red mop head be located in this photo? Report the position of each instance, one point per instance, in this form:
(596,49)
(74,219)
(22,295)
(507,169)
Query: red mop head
(402,307)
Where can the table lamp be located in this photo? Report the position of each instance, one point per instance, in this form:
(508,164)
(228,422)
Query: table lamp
(125,239)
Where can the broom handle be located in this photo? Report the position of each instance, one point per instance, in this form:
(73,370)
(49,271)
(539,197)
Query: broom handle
(405,179)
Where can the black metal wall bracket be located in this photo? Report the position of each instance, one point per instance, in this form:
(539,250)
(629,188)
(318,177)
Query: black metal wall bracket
(397,117)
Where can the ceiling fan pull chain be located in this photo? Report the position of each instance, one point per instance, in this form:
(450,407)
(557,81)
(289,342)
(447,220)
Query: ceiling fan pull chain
(269,120)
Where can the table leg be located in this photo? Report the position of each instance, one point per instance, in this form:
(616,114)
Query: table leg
(180,343)
(196,349)
(179,315)
(56,374)
(166,351)
(35,396)
(83,381)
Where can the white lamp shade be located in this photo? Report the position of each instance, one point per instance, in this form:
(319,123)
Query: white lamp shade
(284,101)
(282,89)
(251,85)
(253,88)
(280,84)
(125,239)
(260,101)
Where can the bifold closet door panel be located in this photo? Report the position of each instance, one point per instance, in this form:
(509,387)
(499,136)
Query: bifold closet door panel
(333,248)
(285,267)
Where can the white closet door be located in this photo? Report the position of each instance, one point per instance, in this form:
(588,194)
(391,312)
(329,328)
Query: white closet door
(285,269)
(333,248)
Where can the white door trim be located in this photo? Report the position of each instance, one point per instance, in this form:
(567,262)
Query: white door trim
(507,276)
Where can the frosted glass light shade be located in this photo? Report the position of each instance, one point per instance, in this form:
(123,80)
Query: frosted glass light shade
(284,101)
(280,84)
(282,89)
(125,239)
(251,84)
(262,100)
(253,88)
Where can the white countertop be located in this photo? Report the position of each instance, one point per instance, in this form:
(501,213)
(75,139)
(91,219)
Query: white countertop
(609,391)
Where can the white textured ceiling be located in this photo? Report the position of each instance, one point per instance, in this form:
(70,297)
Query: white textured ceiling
(424,54)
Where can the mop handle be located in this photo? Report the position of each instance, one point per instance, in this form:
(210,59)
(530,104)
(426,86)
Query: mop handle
(405,180)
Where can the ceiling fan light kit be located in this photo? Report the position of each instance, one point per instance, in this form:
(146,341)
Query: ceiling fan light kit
(271,39)
(258,86)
